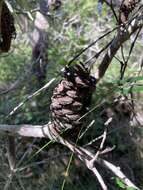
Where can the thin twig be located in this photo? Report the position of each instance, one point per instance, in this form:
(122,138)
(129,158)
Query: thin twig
(87,128)
(123,35)
(9,180)
(31,96)
(104,135)
(97,54)
(112,8)
(90,45)
(83,154)
(123,68)
(100,148)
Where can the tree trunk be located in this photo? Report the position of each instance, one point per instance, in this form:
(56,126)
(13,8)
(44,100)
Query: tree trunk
(39,40)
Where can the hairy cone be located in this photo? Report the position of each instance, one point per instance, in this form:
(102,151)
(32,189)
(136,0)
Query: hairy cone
(71,98)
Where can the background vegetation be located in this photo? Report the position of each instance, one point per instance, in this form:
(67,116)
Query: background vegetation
(72,27)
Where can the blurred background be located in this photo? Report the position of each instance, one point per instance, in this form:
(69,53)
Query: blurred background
(48,35)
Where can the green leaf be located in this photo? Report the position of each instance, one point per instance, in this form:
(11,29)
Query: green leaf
(138,89)
(132,79)
(130,188)
(120,183)
(24,4)
(126,91)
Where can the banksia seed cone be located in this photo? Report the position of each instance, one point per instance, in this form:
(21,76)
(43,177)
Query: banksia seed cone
(7,28)
(71,97)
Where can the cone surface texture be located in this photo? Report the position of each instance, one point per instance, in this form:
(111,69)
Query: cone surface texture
(72,97)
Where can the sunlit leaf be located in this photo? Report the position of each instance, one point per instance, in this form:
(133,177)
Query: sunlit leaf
(132,79)
(24,4)
(138,89)
(130,188)
(120,183)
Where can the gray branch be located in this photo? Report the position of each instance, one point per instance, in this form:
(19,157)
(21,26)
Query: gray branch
(123,35)
(26,130)
(47,131)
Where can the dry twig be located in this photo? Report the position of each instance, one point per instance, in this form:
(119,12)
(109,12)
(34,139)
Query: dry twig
(123,35)
(47,131)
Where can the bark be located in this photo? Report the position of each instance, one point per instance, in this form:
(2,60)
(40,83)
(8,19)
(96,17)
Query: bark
(123,34)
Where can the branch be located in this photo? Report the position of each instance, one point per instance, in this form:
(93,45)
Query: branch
(110,4)
(26,130)
(31,96)
(123,35)
(47,131)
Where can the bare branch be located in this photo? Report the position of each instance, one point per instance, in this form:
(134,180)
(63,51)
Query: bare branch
(110,4)
(90,45)
(31,96)
(123,35)
(47,131)
(26,130)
